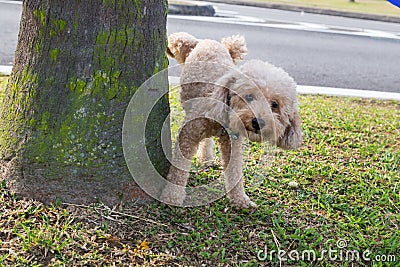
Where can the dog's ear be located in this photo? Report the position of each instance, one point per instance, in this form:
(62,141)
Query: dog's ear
(293,136)
(225,90)
(169,53)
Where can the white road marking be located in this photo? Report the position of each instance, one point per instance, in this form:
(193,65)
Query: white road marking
(346,92)
(232,17)
(280,24)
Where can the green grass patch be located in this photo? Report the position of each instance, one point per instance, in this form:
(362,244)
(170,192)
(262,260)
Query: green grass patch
(3,83)
(348,189)
(379,7)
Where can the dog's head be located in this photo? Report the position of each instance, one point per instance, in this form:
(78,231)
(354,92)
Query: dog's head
(260,103)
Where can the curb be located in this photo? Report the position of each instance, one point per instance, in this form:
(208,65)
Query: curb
(313,10)
(193,8)
(346,92)
(5,70)
(328,91)
(301,89)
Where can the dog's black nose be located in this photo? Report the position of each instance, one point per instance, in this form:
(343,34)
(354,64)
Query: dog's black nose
(257,124)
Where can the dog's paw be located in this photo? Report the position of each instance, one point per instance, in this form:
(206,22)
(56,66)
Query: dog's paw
(173,195)
(242,202)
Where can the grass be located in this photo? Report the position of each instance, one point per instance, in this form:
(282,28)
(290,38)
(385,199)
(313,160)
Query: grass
(3,83)
(348,176)
(380,7)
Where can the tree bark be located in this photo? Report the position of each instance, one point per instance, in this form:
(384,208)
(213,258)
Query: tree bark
(77,65)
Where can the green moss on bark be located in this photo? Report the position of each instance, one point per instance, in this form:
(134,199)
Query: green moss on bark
(41,15)
(16,111)
(54,53)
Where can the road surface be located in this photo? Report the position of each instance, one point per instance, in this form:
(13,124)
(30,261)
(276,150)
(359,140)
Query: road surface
(315,49)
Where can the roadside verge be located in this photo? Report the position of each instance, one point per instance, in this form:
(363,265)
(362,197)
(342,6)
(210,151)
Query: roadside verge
(192,8)
(314,10)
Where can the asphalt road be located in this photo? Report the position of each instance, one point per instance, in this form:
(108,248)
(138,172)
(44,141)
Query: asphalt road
(315,49)
(333,55)
(10,14)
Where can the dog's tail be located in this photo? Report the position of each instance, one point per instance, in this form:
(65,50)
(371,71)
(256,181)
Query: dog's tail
(236,45)
(180,44)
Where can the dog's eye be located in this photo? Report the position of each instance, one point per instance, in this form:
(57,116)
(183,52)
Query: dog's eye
(274,105)
(249,98)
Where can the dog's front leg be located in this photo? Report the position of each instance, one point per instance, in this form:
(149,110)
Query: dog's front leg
(232,159)
(185,148)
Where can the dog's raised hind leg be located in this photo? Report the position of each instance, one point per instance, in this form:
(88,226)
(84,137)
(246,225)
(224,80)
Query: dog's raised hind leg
(185,148)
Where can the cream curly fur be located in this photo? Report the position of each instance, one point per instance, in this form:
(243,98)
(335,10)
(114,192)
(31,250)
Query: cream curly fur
(257,101)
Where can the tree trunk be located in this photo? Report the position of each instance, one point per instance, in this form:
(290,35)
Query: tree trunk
(77,65)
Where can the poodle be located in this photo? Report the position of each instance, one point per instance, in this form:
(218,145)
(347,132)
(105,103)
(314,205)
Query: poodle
(257,101)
